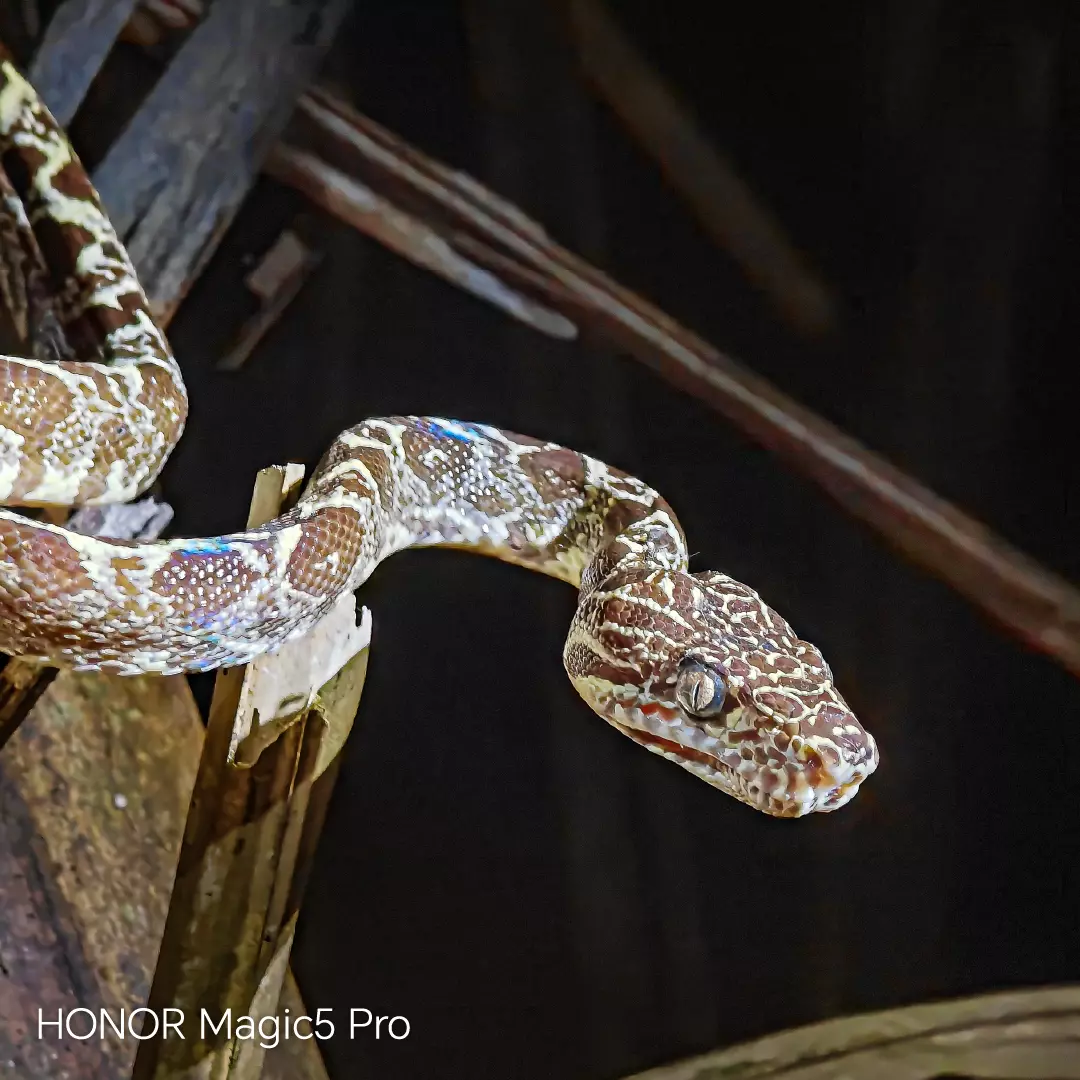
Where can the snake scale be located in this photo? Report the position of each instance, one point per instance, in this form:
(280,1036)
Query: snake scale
(694,667)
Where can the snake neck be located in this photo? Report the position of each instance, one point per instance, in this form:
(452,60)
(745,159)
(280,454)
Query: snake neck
(433,482)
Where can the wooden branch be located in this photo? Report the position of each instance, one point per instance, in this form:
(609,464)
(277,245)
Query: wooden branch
(175,178)
(1024,1035)
(275,730)
(103,772)
(79,37)
(721,200)
(156,19)
(1034,604)
(351,201)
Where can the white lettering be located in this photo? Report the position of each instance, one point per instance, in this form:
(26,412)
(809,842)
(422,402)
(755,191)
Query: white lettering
(397,1027)
(353,1024)
(74,1034)
(58,1023)
(268,1032)
(107,1021)
(320,1019)
(172,1023)
(143,1033)
(225,1022)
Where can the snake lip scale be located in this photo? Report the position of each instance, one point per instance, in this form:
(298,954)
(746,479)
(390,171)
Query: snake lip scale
(695,667)
(791,788)
(722,770)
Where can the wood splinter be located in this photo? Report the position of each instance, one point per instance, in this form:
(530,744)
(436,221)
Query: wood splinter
(276,280)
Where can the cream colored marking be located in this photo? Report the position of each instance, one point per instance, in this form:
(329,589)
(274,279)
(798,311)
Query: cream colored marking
(11,443)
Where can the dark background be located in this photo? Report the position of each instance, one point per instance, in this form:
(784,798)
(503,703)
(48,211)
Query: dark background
(539,897)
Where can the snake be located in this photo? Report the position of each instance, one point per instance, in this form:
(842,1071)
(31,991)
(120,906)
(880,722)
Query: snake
(694,667)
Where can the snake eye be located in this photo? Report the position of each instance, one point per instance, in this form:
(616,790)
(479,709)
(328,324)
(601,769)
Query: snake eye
(700,687)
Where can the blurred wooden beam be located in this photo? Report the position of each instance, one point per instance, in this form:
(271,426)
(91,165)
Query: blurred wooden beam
(79,36)
(100,777)
(1022,1035)
(175,178)
(720,199)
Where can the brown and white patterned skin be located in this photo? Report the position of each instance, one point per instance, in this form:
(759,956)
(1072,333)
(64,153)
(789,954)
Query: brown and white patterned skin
(695,667)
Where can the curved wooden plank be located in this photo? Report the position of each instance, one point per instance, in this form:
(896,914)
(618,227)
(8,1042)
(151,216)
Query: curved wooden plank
(1021,1035)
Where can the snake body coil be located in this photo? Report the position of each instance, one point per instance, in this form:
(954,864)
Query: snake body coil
(695,667)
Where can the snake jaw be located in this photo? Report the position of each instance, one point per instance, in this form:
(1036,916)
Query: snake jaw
(752,762)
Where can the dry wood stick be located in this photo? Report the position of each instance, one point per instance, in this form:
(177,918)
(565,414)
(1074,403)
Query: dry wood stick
(177,175)
(80,35)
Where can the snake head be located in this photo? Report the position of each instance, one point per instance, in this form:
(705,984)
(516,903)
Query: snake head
(697,668)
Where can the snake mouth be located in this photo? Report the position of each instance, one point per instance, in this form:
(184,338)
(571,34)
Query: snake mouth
(669,746)
(711,768)
(787,779)
(785,791)
(805,799)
